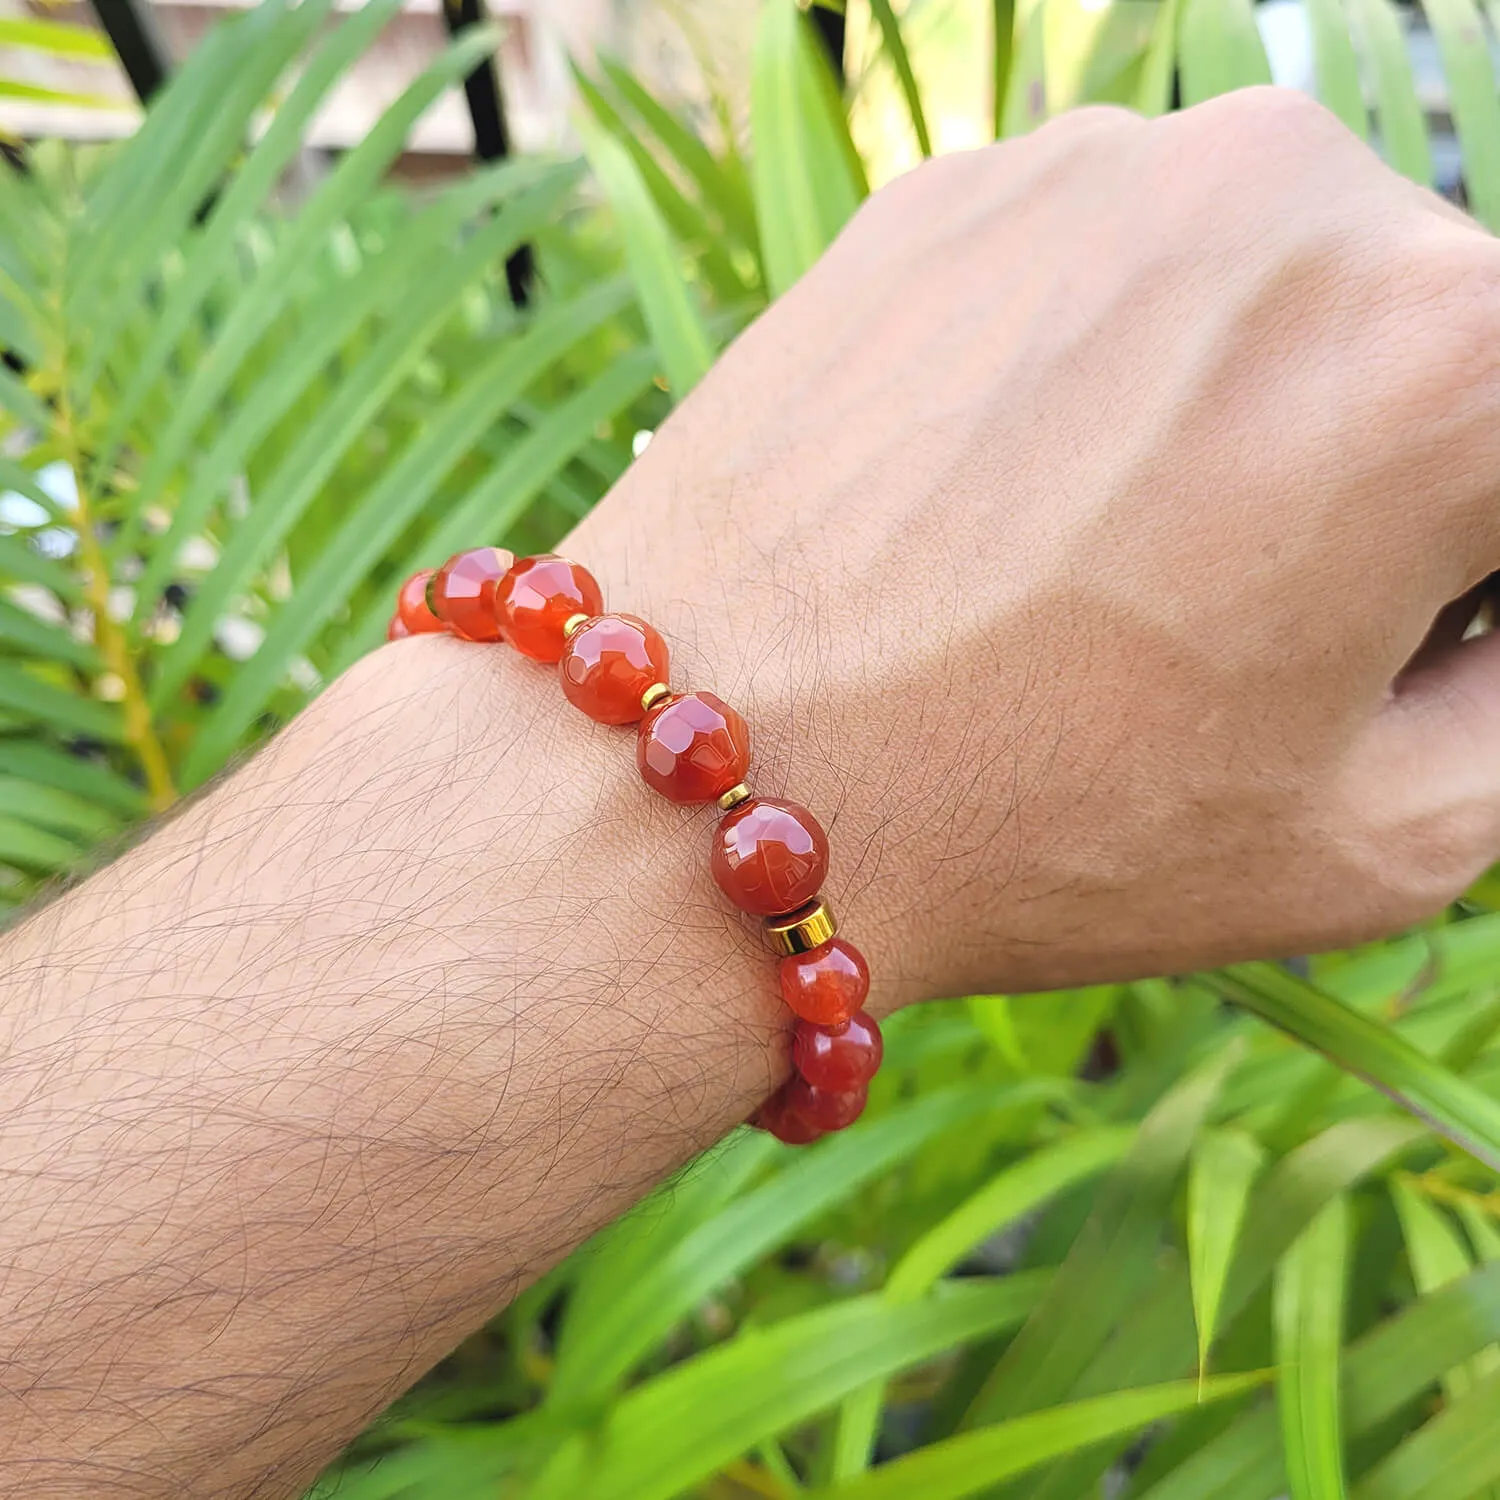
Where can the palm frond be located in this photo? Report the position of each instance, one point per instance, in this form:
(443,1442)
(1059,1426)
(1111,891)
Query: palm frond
(207,381)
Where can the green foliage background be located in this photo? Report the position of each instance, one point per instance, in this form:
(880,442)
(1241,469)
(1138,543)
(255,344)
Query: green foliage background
(1067,1222)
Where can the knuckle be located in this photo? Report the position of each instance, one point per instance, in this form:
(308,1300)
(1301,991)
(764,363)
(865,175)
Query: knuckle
(1080,141)
(1431,336)
(1439,876)
(1262,141)
(930,182)
(1452,282)
(999,173)
(1426,864)
(1269,101)
(1408,843)
(1267,114)
(1089,122)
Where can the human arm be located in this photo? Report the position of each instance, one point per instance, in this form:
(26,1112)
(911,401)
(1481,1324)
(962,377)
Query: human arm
(1062,537)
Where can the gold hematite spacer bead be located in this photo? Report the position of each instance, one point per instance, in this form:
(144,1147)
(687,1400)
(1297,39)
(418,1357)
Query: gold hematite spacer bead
(573,624)
(654,695)
(734,796)
(800,931)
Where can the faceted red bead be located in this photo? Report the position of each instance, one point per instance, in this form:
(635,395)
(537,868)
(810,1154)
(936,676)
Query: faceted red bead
(789,1128)
(827,984)
(693,748)
(608,664)
(836,1058)
(462,594)
(769,857)
(537,597)
(824,1109)
(411,606)
(396,630)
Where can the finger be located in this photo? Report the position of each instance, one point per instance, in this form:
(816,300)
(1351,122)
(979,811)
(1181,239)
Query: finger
(1420,816)
(1436,762)
(1448,630)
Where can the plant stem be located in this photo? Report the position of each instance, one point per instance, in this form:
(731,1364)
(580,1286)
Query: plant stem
(1454,1195)
(775,1461)
(757,1481)
(140,733)
(1003,20)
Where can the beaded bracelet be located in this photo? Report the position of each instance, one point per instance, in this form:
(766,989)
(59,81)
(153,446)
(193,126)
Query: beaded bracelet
(769,857)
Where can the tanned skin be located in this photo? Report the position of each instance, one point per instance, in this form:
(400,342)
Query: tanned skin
(1071,537)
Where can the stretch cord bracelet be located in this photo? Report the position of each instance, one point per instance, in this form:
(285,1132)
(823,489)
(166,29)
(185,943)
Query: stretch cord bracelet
(768,857)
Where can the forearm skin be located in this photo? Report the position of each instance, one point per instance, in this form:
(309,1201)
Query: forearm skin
(313,1080)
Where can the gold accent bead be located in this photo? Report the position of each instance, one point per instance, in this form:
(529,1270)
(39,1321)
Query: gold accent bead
(802,930)
(734,796)
(654,695)
(573,624)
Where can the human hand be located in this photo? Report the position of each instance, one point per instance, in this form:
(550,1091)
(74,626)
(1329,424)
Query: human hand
(1071,537)
(1064,535)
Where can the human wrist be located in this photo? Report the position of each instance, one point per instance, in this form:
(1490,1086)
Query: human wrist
(878,739)
(769,856)
(581,901)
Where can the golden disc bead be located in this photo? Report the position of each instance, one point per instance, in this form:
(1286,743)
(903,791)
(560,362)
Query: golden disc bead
(803,930)
(734,796)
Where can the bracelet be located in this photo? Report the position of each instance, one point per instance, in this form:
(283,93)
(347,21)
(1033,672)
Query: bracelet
(769,857)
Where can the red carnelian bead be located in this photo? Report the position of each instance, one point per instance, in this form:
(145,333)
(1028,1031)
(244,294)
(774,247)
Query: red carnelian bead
(846,1056)
(824,1109)
(411,606)
(693,748)
(462,593)
(827,984)
(776,1118)
(538,597)
(609,663)
(769,857)
(396,630)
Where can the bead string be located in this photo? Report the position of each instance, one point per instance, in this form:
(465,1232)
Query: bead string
(769,857)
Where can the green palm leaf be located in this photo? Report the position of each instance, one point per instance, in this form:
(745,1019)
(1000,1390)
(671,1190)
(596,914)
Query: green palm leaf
(1473,99)
(1377,30)
(376,523)
(1337,66)
(1219,49)
(1454,1454)
(1437,1255)
(55,38)
(1111,1262)
(973,1462)
(684,1425)
(677,328)
(755,1223)
(292,263)
(1382,1372)
(248,397)
(415,309)
(689,222)
(719,181)
(806,175)
(206,253)
(1363,1046)
(1012,1194)
(895,49)
(1309,1316)
(1221,1174)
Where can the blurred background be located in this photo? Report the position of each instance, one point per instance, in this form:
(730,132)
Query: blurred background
(669,44)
